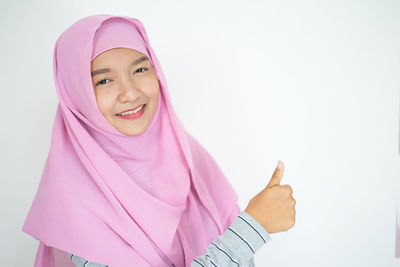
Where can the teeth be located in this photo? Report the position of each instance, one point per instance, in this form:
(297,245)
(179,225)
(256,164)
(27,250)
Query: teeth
(132,111)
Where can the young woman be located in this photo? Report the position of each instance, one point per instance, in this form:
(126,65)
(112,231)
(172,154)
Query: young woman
(124,184)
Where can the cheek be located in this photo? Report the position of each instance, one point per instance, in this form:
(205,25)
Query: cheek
(156,94)
(156,86)
(152,88)
(104,103)
(156,91)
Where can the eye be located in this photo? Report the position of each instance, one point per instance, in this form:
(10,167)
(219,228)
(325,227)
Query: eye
(140,69)
(101,82)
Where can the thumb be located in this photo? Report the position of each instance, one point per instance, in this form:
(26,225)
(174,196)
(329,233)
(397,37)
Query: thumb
(276,176)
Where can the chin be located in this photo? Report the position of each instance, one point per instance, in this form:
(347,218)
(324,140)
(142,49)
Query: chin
(132,132)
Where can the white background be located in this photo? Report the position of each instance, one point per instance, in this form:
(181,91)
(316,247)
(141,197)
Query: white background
(313,83)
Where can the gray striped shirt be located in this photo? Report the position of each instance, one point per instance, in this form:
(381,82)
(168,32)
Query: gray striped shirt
(235,247)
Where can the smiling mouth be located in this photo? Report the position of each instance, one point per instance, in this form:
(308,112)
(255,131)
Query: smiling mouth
(132,111)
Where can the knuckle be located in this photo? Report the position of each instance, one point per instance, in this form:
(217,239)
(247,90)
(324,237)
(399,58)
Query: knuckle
(277,172)
(291,223)
(288,188)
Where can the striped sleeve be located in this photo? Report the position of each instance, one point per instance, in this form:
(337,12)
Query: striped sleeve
(81,262)
(236,246)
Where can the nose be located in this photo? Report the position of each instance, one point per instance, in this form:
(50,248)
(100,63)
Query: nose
(128,91)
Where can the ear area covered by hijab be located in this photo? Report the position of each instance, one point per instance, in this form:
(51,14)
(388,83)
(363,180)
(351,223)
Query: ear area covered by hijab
(116,199)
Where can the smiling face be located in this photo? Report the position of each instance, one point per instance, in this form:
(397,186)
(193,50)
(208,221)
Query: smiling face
(124,79)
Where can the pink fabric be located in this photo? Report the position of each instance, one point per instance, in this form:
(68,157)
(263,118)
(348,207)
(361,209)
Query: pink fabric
(145,200)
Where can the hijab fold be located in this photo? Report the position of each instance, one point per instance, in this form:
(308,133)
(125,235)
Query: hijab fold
(154,199)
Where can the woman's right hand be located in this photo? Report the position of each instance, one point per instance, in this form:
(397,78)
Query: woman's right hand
(273,207)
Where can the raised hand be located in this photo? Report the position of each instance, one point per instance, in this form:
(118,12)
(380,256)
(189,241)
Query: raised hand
(273,207)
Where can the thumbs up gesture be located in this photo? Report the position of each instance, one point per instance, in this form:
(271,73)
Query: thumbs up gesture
(273,207)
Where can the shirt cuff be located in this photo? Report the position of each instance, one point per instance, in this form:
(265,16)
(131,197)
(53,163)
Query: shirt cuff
(256,234)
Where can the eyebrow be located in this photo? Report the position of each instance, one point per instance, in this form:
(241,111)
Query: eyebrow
(135,62)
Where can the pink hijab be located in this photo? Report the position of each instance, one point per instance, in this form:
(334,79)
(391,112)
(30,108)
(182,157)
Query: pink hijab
(155,199)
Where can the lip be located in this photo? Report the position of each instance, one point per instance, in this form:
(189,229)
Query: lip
(129,109)
(134,115)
